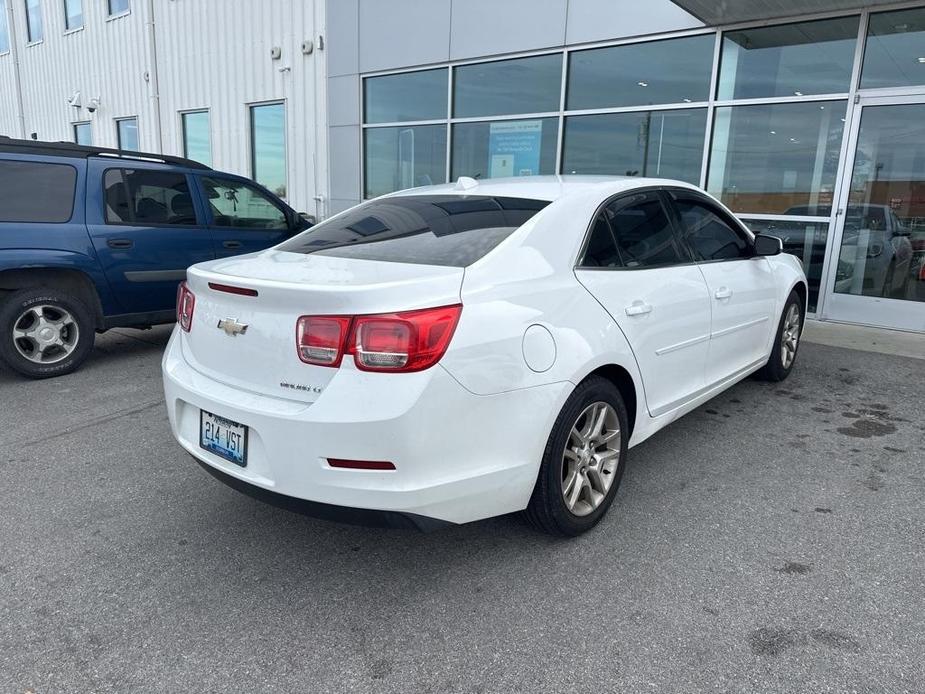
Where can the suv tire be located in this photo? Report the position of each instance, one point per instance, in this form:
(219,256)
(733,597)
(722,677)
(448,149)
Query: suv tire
(44,332)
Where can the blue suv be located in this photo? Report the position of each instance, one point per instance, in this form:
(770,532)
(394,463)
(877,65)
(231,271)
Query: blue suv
(92,239)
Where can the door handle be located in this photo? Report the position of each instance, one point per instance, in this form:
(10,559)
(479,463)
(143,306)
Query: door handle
(723,293)
(638,308)
(120,243)
(232,244)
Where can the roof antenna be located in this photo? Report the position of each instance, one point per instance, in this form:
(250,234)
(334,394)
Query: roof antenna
(466,183)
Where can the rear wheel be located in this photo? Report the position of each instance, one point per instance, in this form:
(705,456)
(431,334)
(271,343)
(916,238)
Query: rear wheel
(787,341)
(583,461)
(44,332)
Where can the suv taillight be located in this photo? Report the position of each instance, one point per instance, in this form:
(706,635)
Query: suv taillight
(186,304)
(390,342)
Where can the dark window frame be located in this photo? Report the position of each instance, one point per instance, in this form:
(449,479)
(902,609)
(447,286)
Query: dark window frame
(135,224)
(73,197)
(265,192)
(672,195)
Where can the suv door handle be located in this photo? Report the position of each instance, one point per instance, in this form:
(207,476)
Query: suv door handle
(723,293)
(120,243)
(232,244)
(638,308)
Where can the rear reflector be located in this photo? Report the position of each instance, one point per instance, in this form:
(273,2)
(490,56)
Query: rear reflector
(186,304)
(243,291)
(361,464)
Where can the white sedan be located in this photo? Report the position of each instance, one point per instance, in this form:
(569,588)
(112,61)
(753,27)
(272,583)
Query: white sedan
(455,352)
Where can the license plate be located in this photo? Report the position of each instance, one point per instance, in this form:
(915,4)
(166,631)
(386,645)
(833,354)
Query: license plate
(223,437)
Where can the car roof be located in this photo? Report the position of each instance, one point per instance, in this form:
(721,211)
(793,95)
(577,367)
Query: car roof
(9,145)
(543,187)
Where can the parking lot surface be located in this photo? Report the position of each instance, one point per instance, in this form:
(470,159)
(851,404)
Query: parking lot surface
(771,541)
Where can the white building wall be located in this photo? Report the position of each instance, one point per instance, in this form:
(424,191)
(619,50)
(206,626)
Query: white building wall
(210,54)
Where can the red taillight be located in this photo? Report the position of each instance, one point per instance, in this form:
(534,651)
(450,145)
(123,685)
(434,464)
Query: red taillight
(320,339)
(186,304)
(407,341)
(392,342)
(361,464)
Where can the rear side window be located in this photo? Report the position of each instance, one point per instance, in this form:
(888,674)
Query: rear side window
(36,192)
(147,198)
(601,250)
(708,234)
(645,236)
(449,230)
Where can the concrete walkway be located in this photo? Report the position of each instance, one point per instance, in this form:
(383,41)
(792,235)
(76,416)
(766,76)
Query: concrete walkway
(866,339)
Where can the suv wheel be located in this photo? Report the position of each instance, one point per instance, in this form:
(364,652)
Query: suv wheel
(44,332)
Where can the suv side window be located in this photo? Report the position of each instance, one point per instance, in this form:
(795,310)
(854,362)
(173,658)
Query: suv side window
(237,204)
(708,233)
(142,197)
(644,234)
(36,192)
(602,249)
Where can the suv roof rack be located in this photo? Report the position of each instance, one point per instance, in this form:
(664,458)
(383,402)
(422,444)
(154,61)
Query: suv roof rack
(69,149)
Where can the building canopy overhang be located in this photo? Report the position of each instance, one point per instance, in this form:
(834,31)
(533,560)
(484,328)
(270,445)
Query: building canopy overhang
(716,12)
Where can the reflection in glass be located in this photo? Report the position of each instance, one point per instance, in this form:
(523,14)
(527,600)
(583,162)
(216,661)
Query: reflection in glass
(485,89)
(894,55)
(34,29)
(788,59)
(419,95)
(883,242)
(770,158)
(83,134)
(505,148)
(4,28)
(73,14)
(668,144)
(805,240)
(196,140)
(268,147)
(640,74)
(118,6)
(404,157)
(127,133)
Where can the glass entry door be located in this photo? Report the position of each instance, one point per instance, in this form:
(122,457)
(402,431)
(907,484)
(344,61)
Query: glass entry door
(876,270)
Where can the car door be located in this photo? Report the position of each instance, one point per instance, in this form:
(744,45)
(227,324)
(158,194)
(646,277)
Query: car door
(146,230)
(741,285)
(242,217)
(636,267)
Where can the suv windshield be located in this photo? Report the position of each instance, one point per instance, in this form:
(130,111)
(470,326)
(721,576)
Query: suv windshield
(451,230)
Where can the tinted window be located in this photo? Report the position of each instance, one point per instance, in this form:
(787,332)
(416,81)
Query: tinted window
(601,250)
(419,95)
(447,230)
(644,234)
(236,204)
(708,234)
(147,198)
(484,89)
(656,72)
(32,192)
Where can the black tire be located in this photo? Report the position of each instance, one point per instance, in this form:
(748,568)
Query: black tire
(13,308)
(776,370)
(547,510)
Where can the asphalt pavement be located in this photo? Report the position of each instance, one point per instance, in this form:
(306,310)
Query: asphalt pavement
(771,541)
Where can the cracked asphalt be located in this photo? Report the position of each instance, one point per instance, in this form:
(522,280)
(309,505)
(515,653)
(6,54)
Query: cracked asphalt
(771,541)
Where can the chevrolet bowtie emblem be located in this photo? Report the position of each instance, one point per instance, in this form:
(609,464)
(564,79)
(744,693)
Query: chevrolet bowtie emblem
(232,327)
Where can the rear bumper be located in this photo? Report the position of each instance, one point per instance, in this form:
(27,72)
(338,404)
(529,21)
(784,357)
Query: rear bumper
(459,457)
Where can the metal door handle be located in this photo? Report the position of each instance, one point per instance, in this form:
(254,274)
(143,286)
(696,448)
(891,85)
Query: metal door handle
(638,308)
(723,293)
(120,243)
(231,244)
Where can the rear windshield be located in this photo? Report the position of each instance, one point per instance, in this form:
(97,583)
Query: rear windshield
(448,230)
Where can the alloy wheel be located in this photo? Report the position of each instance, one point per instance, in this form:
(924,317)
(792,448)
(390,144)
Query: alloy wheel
(591,458)
(790,336)
(45,334)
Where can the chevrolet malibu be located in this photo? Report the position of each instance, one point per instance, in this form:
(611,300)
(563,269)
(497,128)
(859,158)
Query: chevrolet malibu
(455,352)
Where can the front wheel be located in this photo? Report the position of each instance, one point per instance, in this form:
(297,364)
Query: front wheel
(583,461)
(786,342)
(44,332)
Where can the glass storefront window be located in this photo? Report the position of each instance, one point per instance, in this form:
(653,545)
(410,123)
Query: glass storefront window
(776,158)
(667,144)
(894,54)
(883,241)
(196,141)
(407,96)
(641,74)
(788,59)
(524,85)
(805,240)
(505,148)
(404,157)
(268,147)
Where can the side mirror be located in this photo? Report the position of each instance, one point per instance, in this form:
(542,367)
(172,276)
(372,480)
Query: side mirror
(768,245)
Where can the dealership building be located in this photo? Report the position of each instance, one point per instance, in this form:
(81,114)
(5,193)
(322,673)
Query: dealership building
(806,118)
